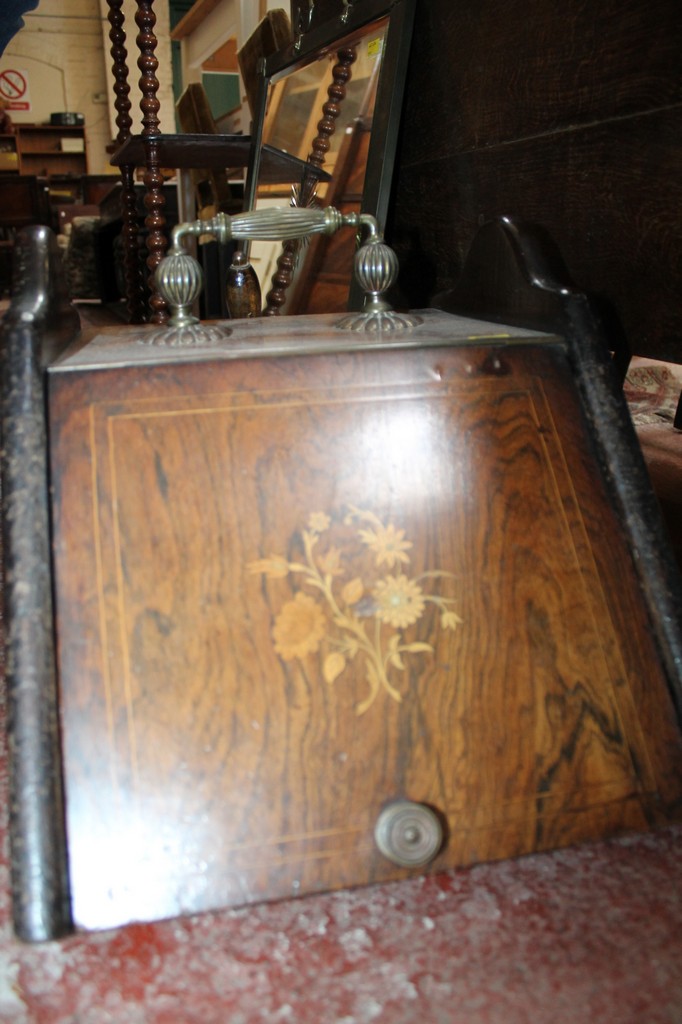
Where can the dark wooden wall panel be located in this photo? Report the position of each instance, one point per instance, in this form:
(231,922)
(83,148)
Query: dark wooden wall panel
(568,116)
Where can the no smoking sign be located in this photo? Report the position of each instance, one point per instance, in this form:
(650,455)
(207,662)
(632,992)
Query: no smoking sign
(14,89)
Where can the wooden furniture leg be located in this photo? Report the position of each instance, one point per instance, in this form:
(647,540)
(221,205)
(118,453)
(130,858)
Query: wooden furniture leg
(122,104)
(155,222)
(153,180)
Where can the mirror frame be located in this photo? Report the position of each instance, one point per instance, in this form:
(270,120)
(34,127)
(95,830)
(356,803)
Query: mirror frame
(325,39)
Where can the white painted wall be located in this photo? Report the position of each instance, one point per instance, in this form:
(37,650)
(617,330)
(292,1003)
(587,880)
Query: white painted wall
(231,18)
(65,48)
(61,46)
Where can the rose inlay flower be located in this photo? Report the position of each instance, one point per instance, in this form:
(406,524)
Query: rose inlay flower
(299,628)
(399,601)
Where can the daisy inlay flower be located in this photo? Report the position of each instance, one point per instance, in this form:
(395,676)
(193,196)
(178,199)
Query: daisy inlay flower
(399,601)
(318,521)
(387,543)
(299,628)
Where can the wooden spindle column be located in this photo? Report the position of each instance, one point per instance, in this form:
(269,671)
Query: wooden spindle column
(153,180)
(122,105)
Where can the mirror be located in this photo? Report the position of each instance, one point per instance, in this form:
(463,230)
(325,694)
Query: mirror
(332,99)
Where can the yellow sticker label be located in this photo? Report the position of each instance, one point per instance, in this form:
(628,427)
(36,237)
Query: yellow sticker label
(374,47)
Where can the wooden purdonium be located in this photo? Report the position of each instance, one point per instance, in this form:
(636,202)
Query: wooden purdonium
(300,579)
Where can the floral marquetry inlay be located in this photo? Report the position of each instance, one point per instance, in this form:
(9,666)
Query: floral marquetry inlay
(355,599)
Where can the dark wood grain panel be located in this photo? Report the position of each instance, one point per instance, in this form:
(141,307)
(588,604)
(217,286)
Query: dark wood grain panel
(485,73)
(281,606)
(606,194)
(568,116)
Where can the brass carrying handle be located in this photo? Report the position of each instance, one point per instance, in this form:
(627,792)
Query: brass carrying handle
(179,278)
(280,224)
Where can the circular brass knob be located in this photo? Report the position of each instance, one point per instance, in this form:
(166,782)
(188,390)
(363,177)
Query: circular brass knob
(408,834)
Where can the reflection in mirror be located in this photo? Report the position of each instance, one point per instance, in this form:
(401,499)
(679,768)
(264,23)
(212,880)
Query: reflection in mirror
(336,108)
(295,103)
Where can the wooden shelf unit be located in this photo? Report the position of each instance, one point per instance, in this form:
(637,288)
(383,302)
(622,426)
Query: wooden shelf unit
(37,149)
